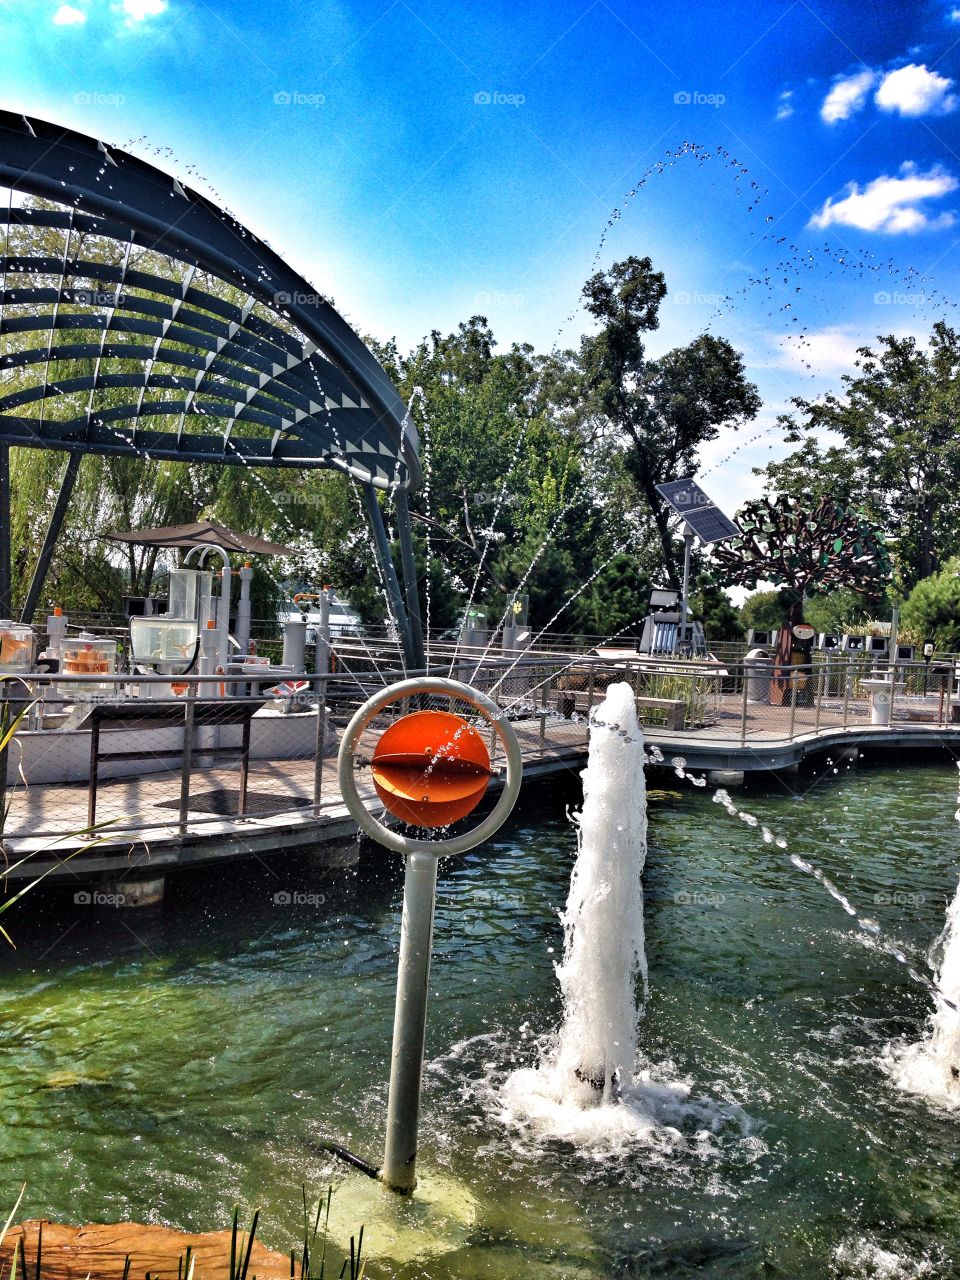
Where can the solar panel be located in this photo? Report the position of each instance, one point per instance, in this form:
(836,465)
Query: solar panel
(684,495)
(699,511)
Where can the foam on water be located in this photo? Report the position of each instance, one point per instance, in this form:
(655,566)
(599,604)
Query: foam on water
(591,1086)
(862,1257)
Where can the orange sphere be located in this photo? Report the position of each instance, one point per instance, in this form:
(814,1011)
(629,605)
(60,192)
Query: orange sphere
(431,768)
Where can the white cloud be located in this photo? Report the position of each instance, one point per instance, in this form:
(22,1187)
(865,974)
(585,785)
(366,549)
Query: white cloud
(915,91)
(891,205)
(784,105)
(138,10)
(68,16)
(847,96)
(954,15)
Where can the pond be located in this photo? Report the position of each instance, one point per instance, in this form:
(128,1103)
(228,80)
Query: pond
(162,1066)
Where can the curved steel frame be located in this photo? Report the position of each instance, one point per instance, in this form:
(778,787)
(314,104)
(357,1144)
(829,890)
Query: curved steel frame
(281,374)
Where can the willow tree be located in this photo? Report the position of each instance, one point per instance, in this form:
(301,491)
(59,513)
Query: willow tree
(804,547)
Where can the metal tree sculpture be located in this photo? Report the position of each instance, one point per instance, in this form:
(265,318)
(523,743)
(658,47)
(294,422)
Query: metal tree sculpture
(804,549)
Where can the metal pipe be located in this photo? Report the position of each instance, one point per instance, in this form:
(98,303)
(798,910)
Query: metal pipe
(410,1022)
(408,561)
(685,590)
(243,608)
(385,560)
(50,539)
(223,600)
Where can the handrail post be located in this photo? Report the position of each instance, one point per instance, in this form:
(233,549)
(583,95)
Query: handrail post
(818,694)
(321,739)
(847,686)
(743,704)
(189,710)
(794,682)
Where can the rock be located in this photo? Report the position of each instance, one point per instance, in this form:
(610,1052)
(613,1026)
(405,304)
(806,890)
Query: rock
(99,1250)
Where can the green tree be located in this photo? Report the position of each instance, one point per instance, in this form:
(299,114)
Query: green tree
(900,457)
(660,412)
(716,611)
(762,611)
(933,607)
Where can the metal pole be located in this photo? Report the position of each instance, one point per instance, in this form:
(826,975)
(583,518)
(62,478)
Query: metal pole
(6,586)
(243,609)
(894,632)
(685,592)
(50,540)
(382,551)
(410,1022)
(409,563)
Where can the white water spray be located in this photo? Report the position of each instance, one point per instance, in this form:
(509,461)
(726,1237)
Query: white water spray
(603,954)
(931,1066)
(592,1086)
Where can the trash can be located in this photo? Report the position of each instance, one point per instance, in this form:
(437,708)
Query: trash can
(881,692)
(758,669)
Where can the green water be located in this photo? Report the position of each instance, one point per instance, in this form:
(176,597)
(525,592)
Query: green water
(164,1065)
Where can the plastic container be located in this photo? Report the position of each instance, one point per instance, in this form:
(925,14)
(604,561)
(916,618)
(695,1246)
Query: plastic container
(88,655)
(190,594)
(16,648)
(166,643)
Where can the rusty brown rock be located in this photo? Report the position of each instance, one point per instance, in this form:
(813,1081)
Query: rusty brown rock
(99,1250)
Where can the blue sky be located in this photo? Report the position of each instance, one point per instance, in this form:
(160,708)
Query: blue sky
(421,162)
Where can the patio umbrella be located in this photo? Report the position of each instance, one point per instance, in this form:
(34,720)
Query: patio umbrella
(203,533)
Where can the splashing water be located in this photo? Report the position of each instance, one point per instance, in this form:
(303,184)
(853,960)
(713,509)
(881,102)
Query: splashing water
(592,1086)
(931,1067)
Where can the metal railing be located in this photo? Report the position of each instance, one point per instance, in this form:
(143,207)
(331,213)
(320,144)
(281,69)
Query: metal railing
(151,764)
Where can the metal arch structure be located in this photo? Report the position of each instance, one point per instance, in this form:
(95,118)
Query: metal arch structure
(185,339)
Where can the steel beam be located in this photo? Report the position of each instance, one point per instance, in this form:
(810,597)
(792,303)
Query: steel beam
(385,560)
(52,534)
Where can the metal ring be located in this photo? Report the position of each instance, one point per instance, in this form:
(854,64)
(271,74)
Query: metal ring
(392,839)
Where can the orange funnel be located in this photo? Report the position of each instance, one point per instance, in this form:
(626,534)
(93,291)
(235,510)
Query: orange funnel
(431,768)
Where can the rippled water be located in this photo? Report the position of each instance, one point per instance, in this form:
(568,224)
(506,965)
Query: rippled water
(163,1065)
